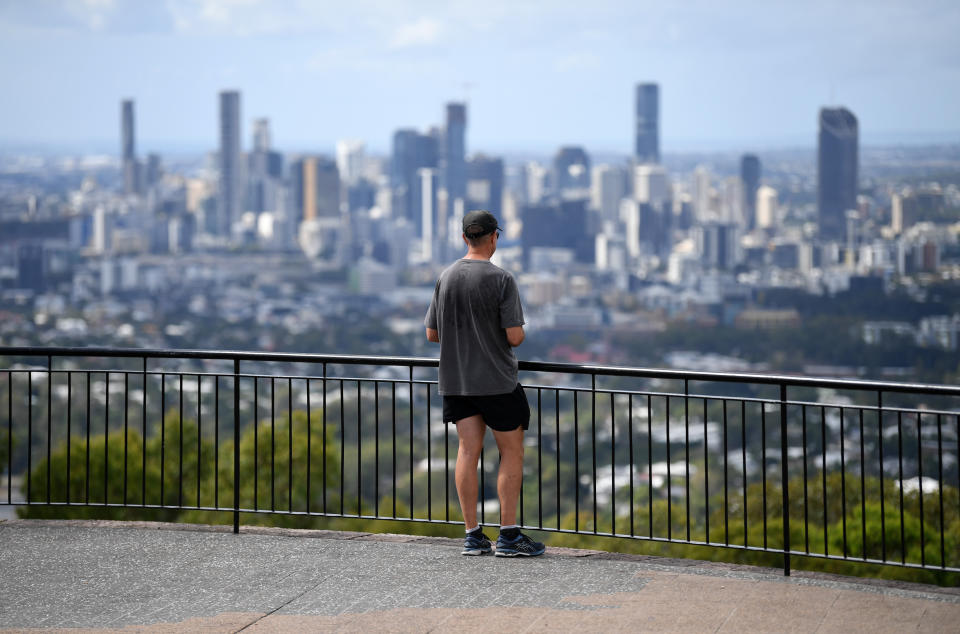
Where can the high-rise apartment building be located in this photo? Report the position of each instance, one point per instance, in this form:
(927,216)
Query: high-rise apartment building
(230,186)
(837,167)
(128,149)
(453,158)
(647,122)
(750,175)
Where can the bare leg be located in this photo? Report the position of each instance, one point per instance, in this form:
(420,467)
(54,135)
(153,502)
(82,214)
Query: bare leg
(470,431)
(510,474)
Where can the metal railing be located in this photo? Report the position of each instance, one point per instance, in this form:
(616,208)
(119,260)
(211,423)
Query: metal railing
(836,469)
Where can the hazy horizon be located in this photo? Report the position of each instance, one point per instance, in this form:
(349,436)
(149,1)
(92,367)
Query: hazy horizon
(743,75)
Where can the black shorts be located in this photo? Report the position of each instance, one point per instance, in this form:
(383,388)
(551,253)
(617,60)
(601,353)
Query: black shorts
(501,412)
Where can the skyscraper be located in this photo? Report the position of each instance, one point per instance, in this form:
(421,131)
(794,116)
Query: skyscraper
(411,151)
(230,188)
(316,188)
(651,184)
(429,222)
(350,159)
(128,148)
(485,184)
(261,135)
(571,172)
(766,207)
(750,175)
(608,186)
(647,147)
(264,170)
(453,164)
(837,165)
(702,187)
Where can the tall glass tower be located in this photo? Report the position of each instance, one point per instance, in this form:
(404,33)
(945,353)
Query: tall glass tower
(453,164)
(750,175)
(837,165)
(128,147)
(230,190)
(647,146)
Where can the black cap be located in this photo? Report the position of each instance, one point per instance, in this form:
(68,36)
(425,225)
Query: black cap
(479,223)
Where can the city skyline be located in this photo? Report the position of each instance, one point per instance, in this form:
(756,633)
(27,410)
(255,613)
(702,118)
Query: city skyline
(322,76)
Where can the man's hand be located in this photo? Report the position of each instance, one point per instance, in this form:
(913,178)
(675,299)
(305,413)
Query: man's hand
(515,335)
(433,335)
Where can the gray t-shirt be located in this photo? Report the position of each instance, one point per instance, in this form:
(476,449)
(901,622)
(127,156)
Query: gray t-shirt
(473,303)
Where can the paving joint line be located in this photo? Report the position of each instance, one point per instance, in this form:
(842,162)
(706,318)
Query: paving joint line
(280,607)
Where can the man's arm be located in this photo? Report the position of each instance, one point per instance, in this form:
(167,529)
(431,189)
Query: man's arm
(434,336)
(515,335)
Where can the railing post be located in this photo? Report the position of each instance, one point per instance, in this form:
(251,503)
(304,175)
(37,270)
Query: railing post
(236,445)
(784,475)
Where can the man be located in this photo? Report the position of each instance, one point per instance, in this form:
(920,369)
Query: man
(477,319)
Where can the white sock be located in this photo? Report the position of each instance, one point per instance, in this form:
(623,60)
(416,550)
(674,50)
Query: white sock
(503,528)
(470,530)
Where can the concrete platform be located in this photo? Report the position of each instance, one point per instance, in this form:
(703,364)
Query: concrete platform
(118,576)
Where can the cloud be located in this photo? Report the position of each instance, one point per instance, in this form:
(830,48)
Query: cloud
(422,32)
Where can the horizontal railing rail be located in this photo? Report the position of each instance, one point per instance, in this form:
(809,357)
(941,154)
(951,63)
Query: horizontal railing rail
(827,468)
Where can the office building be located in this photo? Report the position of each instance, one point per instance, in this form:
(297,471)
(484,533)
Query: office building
(717,245)
(647,124)
(453,159)
(608,185)
(650,184)
(571,172)
(429,220)
(702,193)
(558,225)
(535,182)
(315,181)
(837,167)
(350,160)
(766,207)
(128,149)
(230,186)
(261,135)
(485,184)
(264,171)
(750,175)
(154,171)
(731,201)
(316,188)
(412,151)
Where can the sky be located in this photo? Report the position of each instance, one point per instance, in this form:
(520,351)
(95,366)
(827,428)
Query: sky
(536,75)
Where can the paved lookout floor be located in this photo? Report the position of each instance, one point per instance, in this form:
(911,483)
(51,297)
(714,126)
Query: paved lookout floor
(167,577)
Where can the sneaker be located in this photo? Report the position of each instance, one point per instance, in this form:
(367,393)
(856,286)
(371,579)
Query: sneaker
(476,544)
(520,546)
